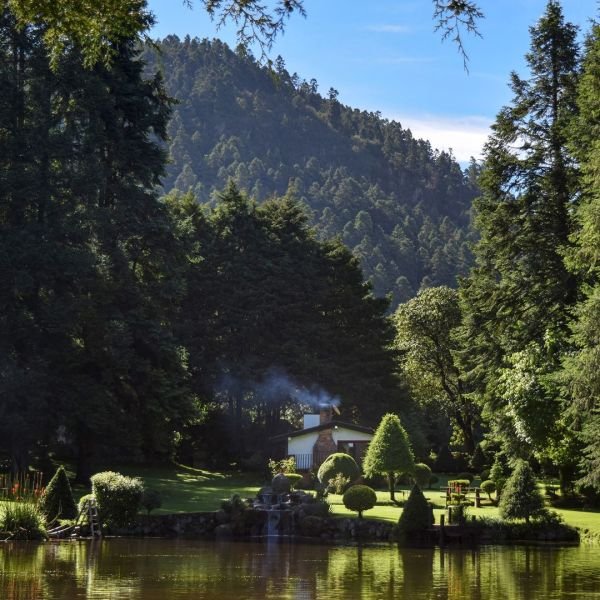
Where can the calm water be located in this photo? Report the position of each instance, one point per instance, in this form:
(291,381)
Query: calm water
(166,570)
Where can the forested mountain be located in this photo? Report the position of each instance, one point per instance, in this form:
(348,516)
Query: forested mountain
(402,207)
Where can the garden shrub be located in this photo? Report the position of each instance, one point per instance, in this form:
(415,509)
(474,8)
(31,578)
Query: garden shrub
(118,497)
(417,514)
(338,463)
(23,521)
(339,484)
(151,500)
(56,502)
(422,475)
(285,466)
(433,480)
(468,476)
(500,471)
(83,501)
(359,498)
(489,487)
(479,460)
(521,498)
(484,475)
(444,461)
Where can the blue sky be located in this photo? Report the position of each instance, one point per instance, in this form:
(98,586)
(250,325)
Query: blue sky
(384,56)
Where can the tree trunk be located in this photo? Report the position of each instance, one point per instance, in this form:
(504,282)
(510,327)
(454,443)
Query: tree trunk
(391,484)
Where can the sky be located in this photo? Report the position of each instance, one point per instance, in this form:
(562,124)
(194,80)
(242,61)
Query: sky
(384,55)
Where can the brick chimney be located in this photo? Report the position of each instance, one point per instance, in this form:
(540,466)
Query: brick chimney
(325,414)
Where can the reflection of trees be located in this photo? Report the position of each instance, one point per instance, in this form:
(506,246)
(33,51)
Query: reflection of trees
(161,569)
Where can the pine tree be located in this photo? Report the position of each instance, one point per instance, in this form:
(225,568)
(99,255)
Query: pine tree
(517,298)
(521,498)
(582,367)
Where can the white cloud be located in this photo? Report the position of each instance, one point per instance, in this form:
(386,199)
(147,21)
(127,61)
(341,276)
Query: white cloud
(389,28)
(464,135)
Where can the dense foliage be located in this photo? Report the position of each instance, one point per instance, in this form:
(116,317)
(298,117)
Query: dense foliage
(401,207)
(119,497)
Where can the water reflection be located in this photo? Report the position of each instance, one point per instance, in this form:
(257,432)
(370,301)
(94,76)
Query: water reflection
(160,570)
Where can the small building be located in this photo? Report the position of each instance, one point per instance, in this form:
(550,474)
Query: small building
(321,436)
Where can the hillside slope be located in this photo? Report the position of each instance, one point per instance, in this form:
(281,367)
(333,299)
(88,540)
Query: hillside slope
(402,207)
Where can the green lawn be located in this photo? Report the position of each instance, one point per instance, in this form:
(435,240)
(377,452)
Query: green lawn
(184,489)
(189,490)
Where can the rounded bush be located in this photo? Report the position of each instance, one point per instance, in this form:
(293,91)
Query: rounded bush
(422,475)
(118,497)
(359,498)
(338,464)
(489,487)
(56,502)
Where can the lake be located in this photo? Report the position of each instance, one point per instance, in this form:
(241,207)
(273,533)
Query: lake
(152,569)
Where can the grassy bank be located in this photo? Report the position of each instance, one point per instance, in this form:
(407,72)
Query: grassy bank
(184,489)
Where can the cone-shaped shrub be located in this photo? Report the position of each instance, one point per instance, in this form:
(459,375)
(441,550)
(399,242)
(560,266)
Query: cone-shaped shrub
(521,498)
(478,461)
(417,514)
(359,498)
(338,464)
(57,501)
(389,452)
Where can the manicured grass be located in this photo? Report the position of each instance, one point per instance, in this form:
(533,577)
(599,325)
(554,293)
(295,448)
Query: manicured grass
(184,489)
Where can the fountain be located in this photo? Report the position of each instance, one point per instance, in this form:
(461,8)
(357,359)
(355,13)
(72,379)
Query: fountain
(278,501)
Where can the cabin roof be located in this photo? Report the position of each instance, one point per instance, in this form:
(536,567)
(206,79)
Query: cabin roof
(328,425)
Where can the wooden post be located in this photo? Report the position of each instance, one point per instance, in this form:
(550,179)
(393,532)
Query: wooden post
(442,521)
(477,498)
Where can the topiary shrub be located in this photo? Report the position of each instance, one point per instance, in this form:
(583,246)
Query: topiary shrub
(433,480)
(417,514)
(151,500)
(422,475)
(338,464)
(521,498)
(444,461)
(478,461)
(489,487)
(359,498)
(56,502)
(118,497)
(500,471)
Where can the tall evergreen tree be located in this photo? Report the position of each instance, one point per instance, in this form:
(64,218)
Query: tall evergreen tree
(517,298)
(582,367)
(89,262)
